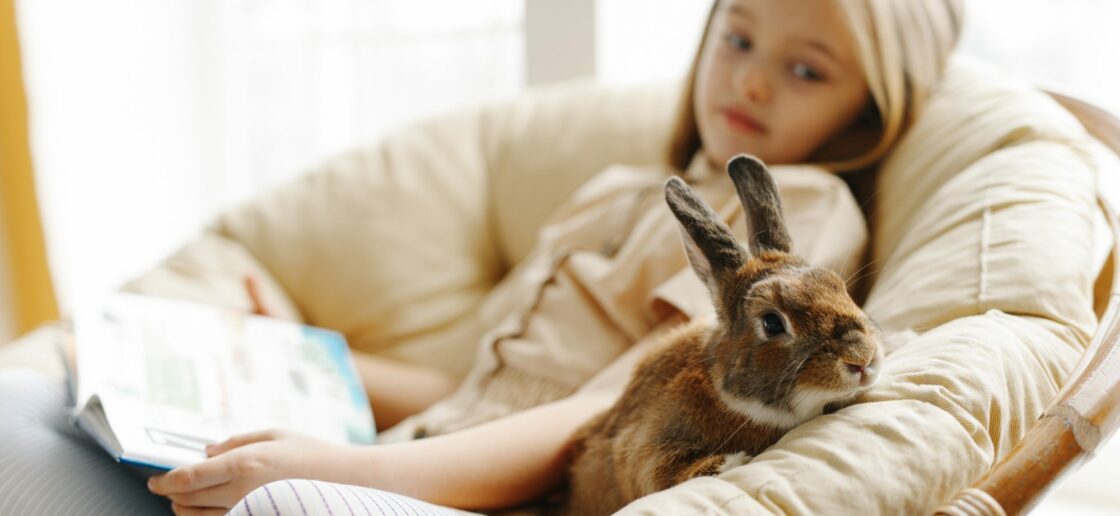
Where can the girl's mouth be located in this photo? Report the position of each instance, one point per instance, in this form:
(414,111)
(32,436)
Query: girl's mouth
(742,122)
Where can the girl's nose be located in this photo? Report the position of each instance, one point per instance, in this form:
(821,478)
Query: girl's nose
(755,84)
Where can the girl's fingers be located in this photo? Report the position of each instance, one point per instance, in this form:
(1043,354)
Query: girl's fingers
(252,287)
(208,473)
(238,441)
(180,510)
(218,497)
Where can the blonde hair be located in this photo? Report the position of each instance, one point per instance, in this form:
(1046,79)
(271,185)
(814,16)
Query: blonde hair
(902,45)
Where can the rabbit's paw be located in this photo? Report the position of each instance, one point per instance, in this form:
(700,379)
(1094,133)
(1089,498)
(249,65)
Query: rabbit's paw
(732,461)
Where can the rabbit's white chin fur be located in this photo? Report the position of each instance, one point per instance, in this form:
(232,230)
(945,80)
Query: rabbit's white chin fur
(759,412)
(806,403)
(809,402)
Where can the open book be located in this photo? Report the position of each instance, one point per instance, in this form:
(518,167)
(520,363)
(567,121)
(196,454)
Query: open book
(157,380)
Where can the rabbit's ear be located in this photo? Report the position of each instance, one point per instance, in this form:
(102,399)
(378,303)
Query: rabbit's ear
(711,247)
(759,195)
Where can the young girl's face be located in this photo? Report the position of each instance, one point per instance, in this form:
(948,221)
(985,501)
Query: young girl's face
(776,79)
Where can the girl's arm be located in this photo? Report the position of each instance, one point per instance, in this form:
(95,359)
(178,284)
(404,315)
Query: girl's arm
(498,464)
(384,382)
(510,460)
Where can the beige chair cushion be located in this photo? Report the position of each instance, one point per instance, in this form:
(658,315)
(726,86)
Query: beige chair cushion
(395,244)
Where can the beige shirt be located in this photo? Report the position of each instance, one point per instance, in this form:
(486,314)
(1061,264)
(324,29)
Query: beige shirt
(608,268)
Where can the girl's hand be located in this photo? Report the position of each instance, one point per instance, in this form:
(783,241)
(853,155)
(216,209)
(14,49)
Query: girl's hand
(244,463)
(253,289)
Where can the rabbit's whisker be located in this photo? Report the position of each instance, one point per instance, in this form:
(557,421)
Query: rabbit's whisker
(736,431)
(788,378)
(862,275)
(849,282)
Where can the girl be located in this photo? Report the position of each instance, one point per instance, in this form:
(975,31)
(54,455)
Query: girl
(828,82)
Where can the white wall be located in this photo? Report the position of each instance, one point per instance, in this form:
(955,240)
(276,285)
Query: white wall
(560,40)
(647,40)
(1071,46)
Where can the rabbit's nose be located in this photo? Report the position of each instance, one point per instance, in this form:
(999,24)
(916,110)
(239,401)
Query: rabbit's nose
(867,371)
(860,365)
(871,372)
(868,378)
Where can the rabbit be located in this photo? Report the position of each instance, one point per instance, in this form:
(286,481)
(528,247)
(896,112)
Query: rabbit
(788,341)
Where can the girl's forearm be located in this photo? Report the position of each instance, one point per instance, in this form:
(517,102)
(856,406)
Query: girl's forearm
(391,402)
(498,464)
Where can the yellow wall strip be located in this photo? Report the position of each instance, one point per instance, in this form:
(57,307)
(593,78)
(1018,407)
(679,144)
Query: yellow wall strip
(32,293)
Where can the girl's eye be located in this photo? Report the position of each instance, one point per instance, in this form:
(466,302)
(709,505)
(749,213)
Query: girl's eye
(803,71)
(773,325)
(737,42)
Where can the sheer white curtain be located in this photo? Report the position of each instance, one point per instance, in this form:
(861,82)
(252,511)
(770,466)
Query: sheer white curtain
(148,116)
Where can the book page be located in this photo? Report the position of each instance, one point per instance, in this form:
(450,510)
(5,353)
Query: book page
(174,376)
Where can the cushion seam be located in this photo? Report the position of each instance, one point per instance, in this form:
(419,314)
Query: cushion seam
(985,246)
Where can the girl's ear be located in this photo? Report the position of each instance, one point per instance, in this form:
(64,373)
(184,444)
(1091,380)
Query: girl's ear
(709,243)
(759,195)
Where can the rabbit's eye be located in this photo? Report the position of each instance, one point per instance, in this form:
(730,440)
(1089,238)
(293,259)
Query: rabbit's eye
(773,325)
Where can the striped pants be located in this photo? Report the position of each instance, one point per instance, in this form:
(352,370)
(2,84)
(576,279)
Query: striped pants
(303,497)
(49,467)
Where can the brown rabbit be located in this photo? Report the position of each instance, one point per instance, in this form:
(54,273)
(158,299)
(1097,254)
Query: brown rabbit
(787,341)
